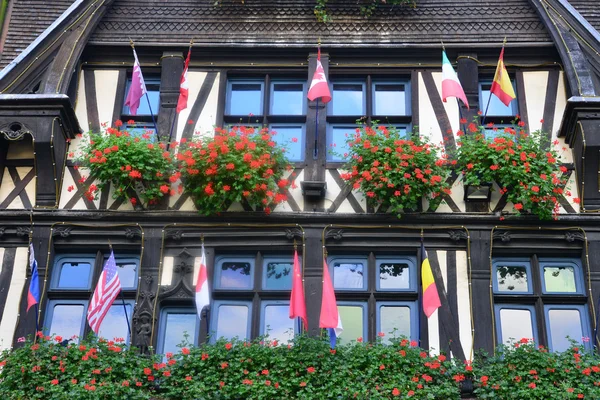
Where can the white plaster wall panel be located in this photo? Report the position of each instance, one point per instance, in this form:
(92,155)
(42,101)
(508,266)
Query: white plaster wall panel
(566,154)
(195,78)
(11,308)
(458,193)
(296,192)
(362,201)
(495,197)
(443,207)
(1,258)
(463,302)
(428,122)
(208,116)
(236,207)
(81,104)
(166,276)
(65,194)
(451,107)
(188,205)
(7,185)
(535,84)
(346,208)
(571,193)
(285,206)
(106,92)
(30,188)
(333,190)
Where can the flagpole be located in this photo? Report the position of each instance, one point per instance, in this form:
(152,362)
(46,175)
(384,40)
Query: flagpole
(490,97)
(316,153)
(123,300)
(147,98)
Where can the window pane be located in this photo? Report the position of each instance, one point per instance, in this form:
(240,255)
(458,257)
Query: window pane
(348,99)
(176,327)
(232,321)
(288,99)
(338,147)
(353,323)
(291,138)
(516,324)
(348,275)
(142,131)
(397,318)
(74,275)
(236,275)
(127,274)
(394,276)
(277,323)
(279,276)
(153,89)
(390,99)
(496,107)
(512,278)
(114,324)
(564,323)
(560,279)
(67,320)
(246,98)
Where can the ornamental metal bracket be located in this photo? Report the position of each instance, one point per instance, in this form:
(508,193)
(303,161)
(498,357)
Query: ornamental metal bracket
(15,131)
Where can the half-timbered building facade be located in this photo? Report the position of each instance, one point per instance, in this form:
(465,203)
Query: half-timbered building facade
(67,66)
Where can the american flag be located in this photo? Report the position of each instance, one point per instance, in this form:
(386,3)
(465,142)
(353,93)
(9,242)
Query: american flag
(107,290)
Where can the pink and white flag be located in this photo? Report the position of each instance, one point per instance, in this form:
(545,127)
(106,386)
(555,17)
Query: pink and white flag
(202,295)
(319,88)
(137,89)
(184,86)
(451,86)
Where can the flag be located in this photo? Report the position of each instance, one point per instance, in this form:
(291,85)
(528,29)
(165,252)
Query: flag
(202,296)
(137,89)
(107,290)
(451,86)
(502,86)
(319,88)
(330,317)
(431,298)
(297,302)
(184,85)
(33,296)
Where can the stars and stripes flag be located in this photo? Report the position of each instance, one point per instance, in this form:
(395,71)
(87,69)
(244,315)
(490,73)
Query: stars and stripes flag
(297,301)
(184,85)
(107,290)
(330,317)
(137,90)
(202,295)
(319,88)
(33,295)
(451,86)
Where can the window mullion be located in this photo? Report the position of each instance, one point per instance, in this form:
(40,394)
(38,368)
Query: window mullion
(266,99)
(369,99)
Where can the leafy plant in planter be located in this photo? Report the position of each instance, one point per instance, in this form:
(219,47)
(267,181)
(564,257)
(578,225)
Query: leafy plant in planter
(523,165)
(136,166)
(395,171)
(239,164)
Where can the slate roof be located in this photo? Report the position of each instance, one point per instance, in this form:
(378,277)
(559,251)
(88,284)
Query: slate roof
(590,10)
(28,20)
(292,23)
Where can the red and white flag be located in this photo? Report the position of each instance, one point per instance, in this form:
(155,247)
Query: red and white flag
(330,318)
(184,85)
(108,288)
(297,301)
(319,88)
(202,295)
(451,86)
(137,90)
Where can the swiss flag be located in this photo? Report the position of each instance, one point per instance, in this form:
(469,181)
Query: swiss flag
(184,85)
(319,88)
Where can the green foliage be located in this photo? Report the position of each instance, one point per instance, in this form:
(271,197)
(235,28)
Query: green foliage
(235,165)
(524,371)
(394,171)
(524,166)
(91,369)
(134,165)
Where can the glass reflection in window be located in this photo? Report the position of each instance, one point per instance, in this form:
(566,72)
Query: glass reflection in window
(177,326)
(348,275)
(277,323)
(516,324)
(337,144)
(292,138)
(114,324)
(348,99)
(245,98)
(353,322)
(279,276)
(74,275)
(67,320)
(235,275)
(127,274)
(394,276)
(232,321)
(394,321)
(288,99)
(564,324)
(560,279)
(389,99)
(496,107)
(512,278)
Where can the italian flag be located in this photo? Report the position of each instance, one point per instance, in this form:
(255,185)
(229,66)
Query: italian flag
(451,86)
(502,87)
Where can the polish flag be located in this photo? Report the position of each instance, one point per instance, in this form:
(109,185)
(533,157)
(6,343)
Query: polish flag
(319,88)
(184,86)
(330,317)
(202,295)
(451,86)
(137,90)
(297,301)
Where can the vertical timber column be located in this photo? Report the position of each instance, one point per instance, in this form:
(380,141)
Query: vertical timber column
(172,67)
(480,284)
(316,131)
(313,278)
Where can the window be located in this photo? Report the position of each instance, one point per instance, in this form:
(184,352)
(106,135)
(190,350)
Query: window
(524,287)
(364,283)
(389,104)
(279,104)
(72,282)
(142,121)
(497,112)
(234,307)
(177,326)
